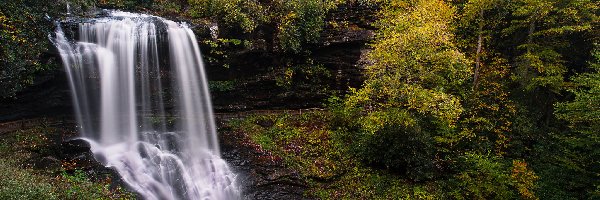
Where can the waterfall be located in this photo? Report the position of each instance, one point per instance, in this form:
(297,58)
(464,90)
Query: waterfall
(159,135)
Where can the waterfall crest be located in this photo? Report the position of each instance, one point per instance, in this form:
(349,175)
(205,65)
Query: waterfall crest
(141,99)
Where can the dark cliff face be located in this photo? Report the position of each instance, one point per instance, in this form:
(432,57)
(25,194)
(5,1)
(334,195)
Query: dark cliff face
(48,97)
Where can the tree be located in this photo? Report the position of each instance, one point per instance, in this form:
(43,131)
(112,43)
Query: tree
(486,122)
(410,94)
(549,25)
(581,154)
(415,61)
(479,13)
(583,113)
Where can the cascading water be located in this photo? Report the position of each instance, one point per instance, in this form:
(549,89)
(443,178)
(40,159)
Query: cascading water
(116,72)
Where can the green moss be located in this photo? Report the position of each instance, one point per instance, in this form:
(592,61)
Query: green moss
(77,185)
(221,86)
(19,182)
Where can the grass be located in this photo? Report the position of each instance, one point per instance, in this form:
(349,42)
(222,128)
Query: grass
(20,181)
(322,156)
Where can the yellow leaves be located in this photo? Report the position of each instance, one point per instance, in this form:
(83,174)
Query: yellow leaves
(445,107)
(332,4)
(374,121)
(414,58)
(287,21)
(534,9)
(501,143)
(245,14)
(441,105)
(6,23)
(357,97)
(524,179)
(428,19)
(416,45)
(8,29)
(377,120)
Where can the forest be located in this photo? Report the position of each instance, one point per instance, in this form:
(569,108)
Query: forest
(397,99)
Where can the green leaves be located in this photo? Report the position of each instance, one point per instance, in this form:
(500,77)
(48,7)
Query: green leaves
(296,22)
(484,177)
(23,35)
(583,113)
(540,68)
(245,14)
(580,155)
(301,22)
(549,25)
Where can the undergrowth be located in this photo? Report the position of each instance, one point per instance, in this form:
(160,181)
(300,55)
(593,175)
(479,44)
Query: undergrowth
(18,180)
(323,157)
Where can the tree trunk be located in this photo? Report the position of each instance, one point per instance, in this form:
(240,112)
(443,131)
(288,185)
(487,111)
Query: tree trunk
(478,51)
(530,35)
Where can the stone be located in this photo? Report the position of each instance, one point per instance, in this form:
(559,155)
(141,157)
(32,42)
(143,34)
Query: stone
(47,163)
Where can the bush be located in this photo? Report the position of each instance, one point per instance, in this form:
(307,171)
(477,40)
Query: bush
(400,144)
(490,177)
(245,14)
(302,23)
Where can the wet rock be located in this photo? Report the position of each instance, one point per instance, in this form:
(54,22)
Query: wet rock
(76,154)
(77,151)
(259,174)
(47,163)
(76,145)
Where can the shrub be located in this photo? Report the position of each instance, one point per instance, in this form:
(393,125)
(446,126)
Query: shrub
(395,140)
(490,177)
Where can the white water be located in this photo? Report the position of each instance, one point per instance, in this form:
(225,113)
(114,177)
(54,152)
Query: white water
(116,72)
